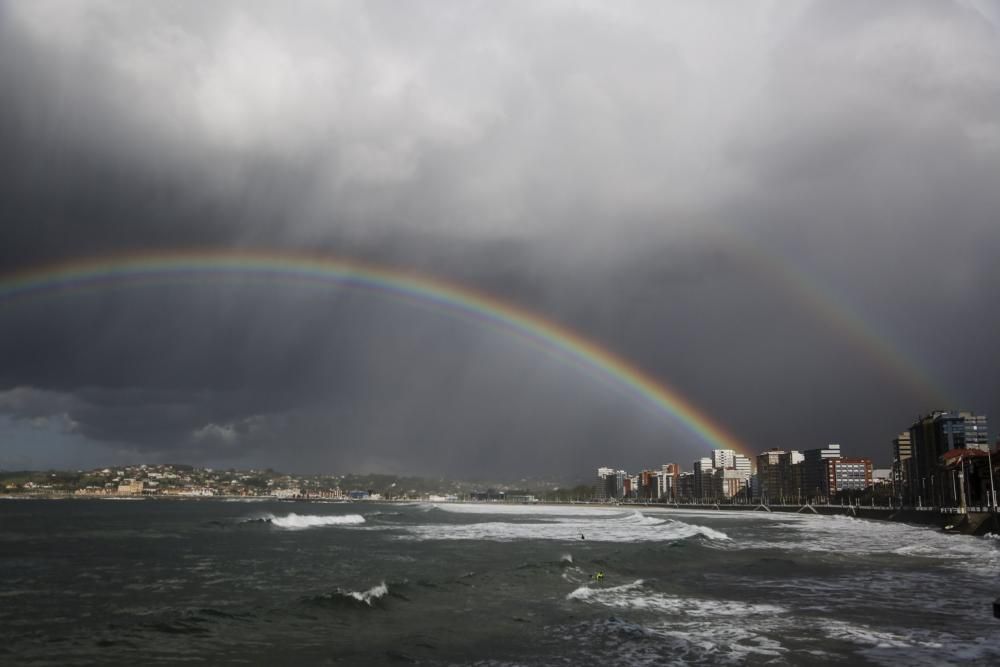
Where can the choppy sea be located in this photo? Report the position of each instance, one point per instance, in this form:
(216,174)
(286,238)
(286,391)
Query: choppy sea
(217,582)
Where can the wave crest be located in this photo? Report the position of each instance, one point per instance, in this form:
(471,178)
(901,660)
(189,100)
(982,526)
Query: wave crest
(636,596)
(588,593)
(373,593)
(633,526)
(301,521)
(341,597)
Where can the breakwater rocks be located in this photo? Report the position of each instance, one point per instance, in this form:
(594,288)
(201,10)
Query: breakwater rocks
(948,519)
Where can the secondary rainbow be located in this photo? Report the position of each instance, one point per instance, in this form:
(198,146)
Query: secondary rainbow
(551,338)
(833,309)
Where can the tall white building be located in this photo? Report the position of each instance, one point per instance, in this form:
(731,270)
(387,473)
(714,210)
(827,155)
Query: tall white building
(667,481)
(723,458)
(743,465)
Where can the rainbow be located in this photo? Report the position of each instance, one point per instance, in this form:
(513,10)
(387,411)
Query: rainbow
(549,337)
(831,308)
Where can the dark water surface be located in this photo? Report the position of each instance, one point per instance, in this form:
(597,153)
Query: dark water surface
(111,582)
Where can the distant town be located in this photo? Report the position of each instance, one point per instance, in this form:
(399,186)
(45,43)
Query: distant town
(943,460)
(185,481)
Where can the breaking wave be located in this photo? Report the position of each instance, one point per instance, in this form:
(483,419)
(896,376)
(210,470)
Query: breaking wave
(689,630)
(636,596)
(301,521)
(373,593)
(863,537)
(542,523)
(699,636)
(588,593)
(352,598)
(528,510)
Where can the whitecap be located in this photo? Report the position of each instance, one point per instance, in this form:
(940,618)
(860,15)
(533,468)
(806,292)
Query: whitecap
(529,510)
(615,527)
(373,593)
(636,596)
(681,640)
(847,535)
(587,593)
(301,521)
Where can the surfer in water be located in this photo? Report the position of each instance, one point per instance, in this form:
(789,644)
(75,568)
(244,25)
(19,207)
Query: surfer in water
(582,537)
(599,577)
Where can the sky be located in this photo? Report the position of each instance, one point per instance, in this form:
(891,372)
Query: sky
(787,212)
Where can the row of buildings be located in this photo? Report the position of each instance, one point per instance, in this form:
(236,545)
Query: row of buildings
(174,480)
(944,459)
(777,476)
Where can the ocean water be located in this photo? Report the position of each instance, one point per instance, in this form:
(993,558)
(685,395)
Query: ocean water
(217,582)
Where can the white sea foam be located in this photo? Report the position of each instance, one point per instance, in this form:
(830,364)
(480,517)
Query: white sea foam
(914,647)
(743,515)
(692,630)
(636,596)
(616,527)
(711,631)
(720,645)
(301,521)
(588,593)
(679,641)
(860,537)
(373,593)
(530,510)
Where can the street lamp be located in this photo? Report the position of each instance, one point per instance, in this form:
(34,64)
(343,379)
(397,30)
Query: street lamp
(989,462)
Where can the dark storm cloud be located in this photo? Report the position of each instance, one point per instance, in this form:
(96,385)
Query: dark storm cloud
(629,170)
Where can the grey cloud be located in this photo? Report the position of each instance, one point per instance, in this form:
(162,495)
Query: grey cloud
(629,170)
(34,404)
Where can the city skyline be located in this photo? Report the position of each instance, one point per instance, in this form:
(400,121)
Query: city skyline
(944,459)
